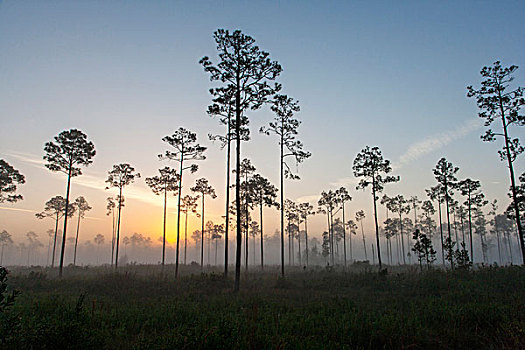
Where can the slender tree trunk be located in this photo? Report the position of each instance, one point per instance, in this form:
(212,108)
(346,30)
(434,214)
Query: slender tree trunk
(247,223)
(282,201)
(364,240)
(344,233)
(164,228)
(202,233)
(227,225)
(332,245)
(377,225)
(512,180)
(499,249)
(185,235)
(299,240)
(178,219)
(441,230)
(112,235)
(118,226)
(65,220)
(55,240)
(448,225)
(76,240)
(306,236)
(402,239)
(238,183)
(262,238)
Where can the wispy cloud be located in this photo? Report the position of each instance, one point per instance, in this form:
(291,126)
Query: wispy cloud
(92,181)
(435,142)
(18,209)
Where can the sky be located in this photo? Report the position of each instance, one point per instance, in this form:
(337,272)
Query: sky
(379,73)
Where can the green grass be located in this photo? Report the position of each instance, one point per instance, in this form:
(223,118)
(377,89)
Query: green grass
(137,308)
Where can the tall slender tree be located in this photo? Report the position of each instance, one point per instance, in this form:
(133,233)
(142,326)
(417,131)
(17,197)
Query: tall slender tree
(373,168)
(110,209)
(204,188)
(120,176)
(434,193)
(5,240)
(398,204)
(67,153)
(189,205)
(245,71)
(285,126)
(445,174)
(223,107)
(497,101)
(471,189)
(305,210)
(359,217)
(186,150)
(55,208)
(10,178)
(328,204)
(264,193)
(166,181)
(342,198)
(82,206)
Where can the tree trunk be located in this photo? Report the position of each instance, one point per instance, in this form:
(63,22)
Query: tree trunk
(227,226)
(118,226)
(282,202)
(377,225)
(448,225)
(512,180)
(441,230)
(262,244)
(202,233)
(164,228)
(65,220)
(185,235)
(402,239)
(306,236)
(178,219)
(55,240)
(344,233)
(238,183)
(76,239)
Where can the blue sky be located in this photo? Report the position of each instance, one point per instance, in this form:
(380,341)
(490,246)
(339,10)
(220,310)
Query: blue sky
(391,74)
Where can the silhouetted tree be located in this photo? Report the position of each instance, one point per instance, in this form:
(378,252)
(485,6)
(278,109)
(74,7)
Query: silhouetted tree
(166,181)
(202,187)
(328,200)
(471,189)
(398,204)
(285,127)
(186,149)
(5,240)
(423,248)
(110,209)
(434,193)
(9,179)
(264,193)
(359,217)
(66,154)
(496,102)
(120,176)
(244,70)
(342,197)
(444,172)
(99,240)
(373,168)
(55,208)
(305,210)
(189,204)
(82,206)
(223,106)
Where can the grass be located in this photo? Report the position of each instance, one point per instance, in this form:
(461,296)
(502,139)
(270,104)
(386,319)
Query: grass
(138,308)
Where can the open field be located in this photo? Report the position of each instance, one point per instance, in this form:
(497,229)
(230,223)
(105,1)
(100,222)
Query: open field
(136,308)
